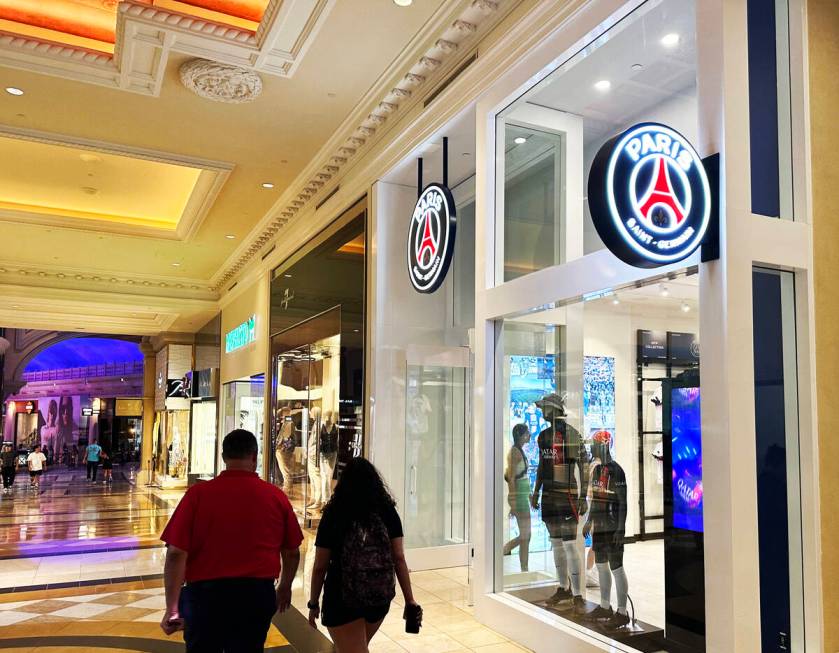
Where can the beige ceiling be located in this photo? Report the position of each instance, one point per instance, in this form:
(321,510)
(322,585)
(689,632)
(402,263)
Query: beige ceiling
(268,140)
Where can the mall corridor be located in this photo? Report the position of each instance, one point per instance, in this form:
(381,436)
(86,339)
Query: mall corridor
(558,276)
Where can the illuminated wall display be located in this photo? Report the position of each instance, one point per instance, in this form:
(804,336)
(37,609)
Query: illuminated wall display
(431,238)
(649,196)
(240,336)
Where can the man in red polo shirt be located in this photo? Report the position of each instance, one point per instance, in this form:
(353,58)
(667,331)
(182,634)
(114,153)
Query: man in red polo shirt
(228,539)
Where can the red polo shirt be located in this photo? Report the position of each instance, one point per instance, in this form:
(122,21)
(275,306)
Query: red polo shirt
(233,527)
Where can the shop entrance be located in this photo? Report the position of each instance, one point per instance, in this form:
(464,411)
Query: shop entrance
(309,442)
(437,470)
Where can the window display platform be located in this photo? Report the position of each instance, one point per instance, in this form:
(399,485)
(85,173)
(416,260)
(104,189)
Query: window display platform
(638,634)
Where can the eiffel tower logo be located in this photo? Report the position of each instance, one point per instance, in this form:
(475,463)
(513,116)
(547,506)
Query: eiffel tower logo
(427,244)
(660,206)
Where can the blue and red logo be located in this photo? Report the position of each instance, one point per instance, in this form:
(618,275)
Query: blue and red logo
(649,196)
(431,238)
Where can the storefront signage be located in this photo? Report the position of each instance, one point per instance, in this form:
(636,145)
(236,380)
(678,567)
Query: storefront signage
(431,238)
(241,336)
(29,407)
(87,411)
(649,196)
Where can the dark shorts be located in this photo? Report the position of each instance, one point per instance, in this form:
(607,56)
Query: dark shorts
(605,549)
(337,613)
(559,516)
(107,465)
(230,615)
(35,472)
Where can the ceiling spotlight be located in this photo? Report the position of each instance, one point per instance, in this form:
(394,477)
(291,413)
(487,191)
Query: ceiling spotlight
(403,3)
(615,300)
(12,90)
(267,184)
(230,236)
(287,275)
(521,140)
(176,265)
(603,85)
(670,40)
(637,66)
(685,307)
(663,291)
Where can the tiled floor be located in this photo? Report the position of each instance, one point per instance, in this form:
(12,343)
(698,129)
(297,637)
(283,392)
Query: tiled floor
(71,532)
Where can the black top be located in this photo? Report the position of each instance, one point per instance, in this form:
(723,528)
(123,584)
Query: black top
(608,497)
(8,458)
(332,531)
(560,450)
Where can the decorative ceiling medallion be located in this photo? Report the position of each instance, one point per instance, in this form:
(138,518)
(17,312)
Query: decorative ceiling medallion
(221,82)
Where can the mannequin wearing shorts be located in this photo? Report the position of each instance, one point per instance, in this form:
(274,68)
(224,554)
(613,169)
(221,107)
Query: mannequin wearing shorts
(562,452)
(607,523)
(518,493)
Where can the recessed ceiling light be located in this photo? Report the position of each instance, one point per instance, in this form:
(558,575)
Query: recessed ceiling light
(403,3)
(287,276)
(603,85)
(521,140)
(670,40)
(615,300)
(230,236)
(12,90)
(663,291)
(267,184)
(176,264)
(685,307)
(87,157)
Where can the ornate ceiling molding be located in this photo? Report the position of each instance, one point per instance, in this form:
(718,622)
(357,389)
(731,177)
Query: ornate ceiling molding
(455,36)
(220,82)
(147,35)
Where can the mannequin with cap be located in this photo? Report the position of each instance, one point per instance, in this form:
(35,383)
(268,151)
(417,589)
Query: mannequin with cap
(562,461)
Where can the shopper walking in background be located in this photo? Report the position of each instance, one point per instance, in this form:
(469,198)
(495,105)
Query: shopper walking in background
(228,539)
(92,455)
(8,461)
(359,548)
(37,463)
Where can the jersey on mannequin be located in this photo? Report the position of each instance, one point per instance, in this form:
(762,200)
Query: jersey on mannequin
(607,523)
(562,460)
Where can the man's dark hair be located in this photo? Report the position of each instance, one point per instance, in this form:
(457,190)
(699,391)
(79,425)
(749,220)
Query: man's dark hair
(239,444)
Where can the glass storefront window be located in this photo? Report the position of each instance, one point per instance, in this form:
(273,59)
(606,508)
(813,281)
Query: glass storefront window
(244,408)
(203,446)
(600,463)
(641,70)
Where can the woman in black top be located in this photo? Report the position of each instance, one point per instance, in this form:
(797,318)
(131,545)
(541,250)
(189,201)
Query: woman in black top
(359,547)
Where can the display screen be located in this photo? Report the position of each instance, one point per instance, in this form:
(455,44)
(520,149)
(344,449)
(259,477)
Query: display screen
(687,459)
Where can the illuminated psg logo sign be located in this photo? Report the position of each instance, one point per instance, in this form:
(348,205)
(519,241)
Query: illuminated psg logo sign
(649,196)
(431,238)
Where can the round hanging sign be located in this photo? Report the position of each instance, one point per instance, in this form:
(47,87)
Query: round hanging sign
(431,238)
(649,196)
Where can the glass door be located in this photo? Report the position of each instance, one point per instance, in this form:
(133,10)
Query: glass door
(306,435)
(437,428)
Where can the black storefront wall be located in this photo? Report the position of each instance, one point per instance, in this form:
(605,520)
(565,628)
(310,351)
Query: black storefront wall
(327,284)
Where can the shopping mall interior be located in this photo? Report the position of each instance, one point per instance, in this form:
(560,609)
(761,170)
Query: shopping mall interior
(498,248)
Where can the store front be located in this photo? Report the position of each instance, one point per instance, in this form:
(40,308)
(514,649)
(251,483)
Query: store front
(609,511)
(317,355)
(421,325)
(244,356)
(171,429)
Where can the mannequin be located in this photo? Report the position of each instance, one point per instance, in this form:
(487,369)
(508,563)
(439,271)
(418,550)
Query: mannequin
(313,460)
(328,453)
(284,451)
(561,450)
(607,523)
